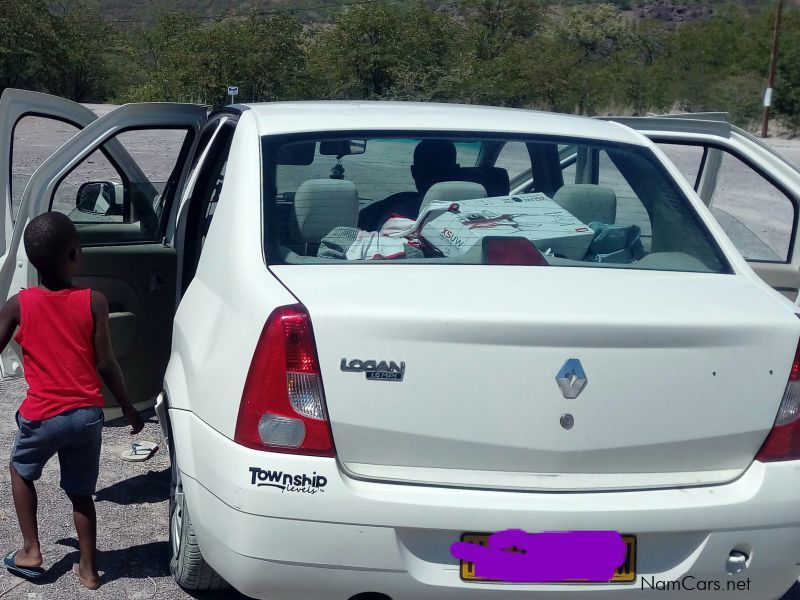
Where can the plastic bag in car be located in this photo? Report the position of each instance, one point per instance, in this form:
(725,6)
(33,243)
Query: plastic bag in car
(349,243)
(615,243)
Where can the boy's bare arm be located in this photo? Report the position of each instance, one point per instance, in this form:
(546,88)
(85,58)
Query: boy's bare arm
(107,364)
(9,320)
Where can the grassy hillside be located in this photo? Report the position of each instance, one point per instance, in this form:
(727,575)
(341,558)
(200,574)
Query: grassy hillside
(148,10)
(316,10)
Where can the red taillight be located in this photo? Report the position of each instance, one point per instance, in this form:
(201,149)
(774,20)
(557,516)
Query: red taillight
(512,251)
(783,442)
(283,404)
(794,374)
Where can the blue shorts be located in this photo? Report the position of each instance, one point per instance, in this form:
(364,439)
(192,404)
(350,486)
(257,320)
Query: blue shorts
(74,435)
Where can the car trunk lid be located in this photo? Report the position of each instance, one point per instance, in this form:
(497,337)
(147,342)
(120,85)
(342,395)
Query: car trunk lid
(684,373)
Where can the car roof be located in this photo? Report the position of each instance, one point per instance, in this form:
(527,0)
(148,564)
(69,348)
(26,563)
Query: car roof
(304,117)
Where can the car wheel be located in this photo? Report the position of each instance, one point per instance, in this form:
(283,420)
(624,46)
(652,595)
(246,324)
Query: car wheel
(186,563)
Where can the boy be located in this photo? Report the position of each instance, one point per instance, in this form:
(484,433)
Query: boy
(65,341)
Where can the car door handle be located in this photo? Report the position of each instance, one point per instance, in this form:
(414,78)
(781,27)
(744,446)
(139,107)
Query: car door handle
(158,282)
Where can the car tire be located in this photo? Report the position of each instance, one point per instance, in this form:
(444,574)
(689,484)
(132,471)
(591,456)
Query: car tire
(186,563)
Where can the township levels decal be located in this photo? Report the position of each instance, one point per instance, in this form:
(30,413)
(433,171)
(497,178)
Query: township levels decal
(288,482)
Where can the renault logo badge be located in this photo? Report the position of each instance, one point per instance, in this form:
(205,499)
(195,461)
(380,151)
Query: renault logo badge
(571,379)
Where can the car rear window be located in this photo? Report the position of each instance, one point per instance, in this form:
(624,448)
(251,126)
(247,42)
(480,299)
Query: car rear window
(439,199)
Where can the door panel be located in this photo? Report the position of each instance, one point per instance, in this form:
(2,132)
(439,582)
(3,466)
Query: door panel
(139,282)
(15,105)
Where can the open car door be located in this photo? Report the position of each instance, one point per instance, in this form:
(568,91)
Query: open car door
(751,189)
(15,107)
(116,179)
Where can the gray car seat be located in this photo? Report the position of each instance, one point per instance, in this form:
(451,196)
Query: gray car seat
(452,191)
(588,203)
(321,205)
(494,179)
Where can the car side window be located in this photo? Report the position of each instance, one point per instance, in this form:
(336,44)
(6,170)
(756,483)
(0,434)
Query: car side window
(757,216)
(688,159)
(35,139)
(120,192)
(630,209)
(468,153)
(515,159)
(97,203)
(590,169)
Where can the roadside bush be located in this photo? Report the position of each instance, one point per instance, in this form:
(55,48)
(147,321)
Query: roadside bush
(739,95)
(787,87)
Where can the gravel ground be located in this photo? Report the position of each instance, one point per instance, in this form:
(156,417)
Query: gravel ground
(133,555)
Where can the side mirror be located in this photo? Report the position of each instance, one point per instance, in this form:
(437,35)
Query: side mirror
(341,148)
(97,198)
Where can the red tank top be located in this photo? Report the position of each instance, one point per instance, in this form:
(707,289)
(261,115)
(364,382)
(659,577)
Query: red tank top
(56,334)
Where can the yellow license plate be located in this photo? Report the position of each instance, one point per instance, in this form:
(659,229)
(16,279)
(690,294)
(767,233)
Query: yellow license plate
(626,573)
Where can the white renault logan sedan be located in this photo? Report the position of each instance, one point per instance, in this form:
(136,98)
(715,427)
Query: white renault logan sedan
(402,326)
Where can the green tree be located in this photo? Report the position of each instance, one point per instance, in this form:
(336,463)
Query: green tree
(596,31)
(496,25)
(275,66)
(429,47)
(538,73)
(90,56)
(358,55)
(385,51)
(733,45)
(594,35)
(495,31)
(787,87)
(164,59)
(637,86)
(27,40)
(183,60)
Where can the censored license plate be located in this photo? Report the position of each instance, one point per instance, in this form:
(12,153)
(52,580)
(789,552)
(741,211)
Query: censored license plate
(626,573)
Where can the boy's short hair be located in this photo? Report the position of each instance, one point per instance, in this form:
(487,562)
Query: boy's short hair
(48,240)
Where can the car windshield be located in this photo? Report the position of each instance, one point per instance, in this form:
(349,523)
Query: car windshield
(478,200)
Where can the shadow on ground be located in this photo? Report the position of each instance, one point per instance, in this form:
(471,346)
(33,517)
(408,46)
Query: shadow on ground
(148,488)
(142,562)
(136,562)
(220,595)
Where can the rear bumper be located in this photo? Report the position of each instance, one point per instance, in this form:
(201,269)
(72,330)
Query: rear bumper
(335,537)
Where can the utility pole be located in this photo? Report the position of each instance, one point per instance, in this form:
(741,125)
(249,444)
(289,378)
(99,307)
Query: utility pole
(773,65)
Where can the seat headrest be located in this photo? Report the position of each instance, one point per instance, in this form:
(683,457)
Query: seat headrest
(434,151)
(321,205)
(494,179)
(588,202)
(452,191)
